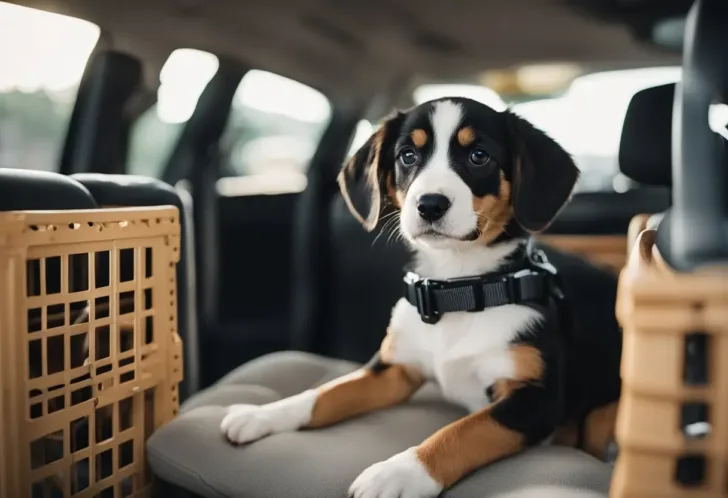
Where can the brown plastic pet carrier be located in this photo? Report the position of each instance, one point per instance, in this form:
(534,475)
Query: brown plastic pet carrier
(90,359)
(672,426)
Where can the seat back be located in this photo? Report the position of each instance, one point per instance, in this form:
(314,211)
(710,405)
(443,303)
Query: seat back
(645,147)
(41,190)
(366,282)
(26,190)
(138,191)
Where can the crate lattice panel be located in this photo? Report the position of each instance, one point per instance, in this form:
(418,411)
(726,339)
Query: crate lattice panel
(672,425)
(90,358)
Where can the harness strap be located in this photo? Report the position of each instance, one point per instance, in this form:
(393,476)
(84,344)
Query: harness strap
(432,298)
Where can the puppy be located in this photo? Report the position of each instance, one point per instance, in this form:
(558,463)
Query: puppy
(469,185)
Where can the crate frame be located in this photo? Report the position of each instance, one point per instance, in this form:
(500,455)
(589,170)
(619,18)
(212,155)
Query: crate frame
(675,328)
(152,367)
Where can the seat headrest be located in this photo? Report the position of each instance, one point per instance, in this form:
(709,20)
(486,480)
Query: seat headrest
(31,190)
(128,190)
(645,148)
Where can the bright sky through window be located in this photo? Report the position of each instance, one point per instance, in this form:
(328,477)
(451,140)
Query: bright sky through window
(588,118)
(182,80)
(274,94)
(364,130)
(42,50)
(49,53)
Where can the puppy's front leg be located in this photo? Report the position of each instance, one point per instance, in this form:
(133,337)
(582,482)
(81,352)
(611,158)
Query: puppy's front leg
(525,416)
(370,388)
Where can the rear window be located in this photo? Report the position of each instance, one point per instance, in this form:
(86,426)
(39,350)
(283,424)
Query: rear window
(583,112)
(182,79)
(362,133)
(587,121)
(42,60)
(274,128)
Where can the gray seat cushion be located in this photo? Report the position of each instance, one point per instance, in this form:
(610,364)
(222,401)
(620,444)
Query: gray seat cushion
(191,452)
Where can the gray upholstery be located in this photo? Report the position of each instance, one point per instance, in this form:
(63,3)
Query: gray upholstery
(191,453)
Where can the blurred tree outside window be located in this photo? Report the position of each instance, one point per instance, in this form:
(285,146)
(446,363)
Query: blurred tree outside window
(42,60)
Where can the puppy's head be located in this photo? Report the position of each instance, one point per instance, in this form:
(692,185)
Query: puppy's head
(461,173)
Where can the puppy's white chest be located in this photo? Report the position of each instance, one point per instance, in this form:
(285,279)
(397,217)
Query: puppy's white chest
(464,352)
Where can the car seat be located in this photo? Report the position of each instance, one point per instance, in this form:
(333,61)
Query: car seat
(22,189)
(362,276)
(363,272)
(645,152)
(138,191)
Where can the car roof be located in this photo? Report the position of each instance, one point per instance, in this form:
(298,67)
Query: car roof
(354,48)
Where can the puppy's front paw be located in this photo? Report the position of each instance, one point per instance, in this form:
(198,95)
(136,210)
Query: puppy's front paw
(402,476)
(247,423)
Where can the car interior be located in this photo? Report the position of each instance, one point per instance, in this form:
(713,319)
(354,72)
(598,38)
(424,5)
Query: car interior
(240,115)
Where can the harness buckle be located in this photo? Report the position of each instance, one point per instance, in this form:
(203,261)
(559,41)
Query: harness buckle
(541,261)
(424,298)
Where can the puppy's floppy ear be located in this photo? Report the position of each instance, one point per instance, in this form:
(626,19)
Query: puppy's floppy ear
(364,178)
(544,175)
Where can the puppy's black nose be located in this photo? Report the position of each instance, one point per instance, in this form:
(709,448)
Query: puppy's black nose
(432,207)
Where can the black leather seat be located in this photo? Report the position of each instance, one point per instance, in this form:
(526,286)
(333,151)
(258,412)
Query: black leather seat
(645,153)
(139,191)
(645,148)
(41,190)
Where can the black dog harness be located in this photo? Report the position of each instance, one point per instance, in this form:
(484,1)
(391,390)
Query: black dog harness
(530,279)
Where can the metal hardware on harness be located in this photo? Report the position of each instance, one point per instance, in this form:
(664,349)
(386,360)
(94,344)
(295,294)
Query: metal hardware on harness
(422,296)
(432,298)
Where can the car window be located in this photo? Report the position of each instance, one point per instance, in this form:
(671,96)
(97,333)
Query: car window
(562,101)
(181,82)
(363,131)
(41,65)
(590,128)
(274,128)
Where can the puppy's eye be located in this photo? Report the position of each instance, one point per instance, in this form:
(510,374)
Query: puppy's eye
(408,157)
(479,157)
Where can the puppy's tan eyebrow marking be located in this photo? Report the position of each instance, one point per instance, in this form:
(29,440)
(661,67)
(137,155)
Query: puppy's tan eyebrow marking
(466,136)
(419,137)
